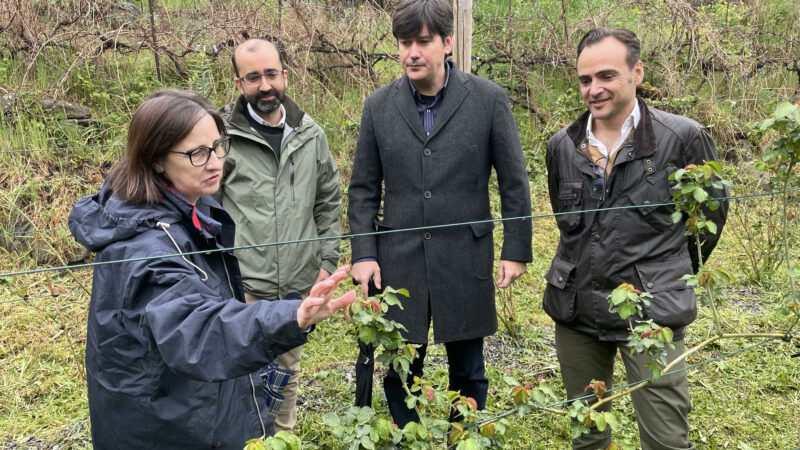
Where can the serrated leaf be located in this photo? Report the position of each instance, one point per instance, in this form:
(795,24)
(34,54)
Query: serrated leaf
(784,109)
(599,421)
(611,420)
(538,395)
(699,194)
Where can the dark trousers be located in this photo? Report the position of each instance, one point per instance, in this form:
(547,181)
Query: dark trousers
(661,407)
(467,375)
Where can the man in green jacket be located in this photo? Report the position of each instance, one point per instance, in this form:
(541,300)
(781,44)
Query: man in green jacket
(280,183)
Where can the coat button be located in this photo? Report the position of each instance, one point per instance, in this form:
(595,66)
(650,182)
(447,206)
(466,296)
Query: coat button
(647,202)
(427,235)
(560,279)
(596,237)
(426,152)
(630,154)
(427,194)
(649,285)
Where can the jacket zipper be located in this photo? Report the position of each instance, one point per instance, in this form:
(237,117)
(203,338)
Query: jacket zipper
(249,376)
(291,175)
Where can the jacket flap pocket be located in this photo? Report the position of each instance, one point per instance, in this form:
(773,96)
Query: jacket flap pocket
(481,229)
(649,196)
(381,225)
(569,193)
(659,276)
(558,275)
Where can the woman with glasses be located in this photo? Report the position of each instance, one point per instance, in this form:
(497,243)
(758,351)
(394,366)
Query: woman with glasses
(171,345)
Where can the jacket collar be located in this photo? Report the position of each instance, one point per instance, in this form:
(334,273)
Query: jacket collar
(457,91)
(644,138)
(294,115)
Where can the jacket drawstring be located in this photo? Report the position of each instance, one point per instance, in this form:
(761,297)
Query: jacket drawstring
(165,227)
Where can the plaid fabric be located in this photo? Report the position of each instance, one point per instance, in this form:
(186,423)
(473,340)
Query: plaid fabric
(274,381)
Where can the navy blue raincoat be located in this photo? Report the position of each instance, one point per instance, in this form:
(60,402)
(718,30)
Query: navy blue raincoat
(171,347)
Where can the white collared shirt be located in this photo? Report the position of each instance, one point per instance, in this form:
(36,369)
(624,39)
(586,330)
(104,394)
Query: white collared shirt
(281,123)
(630,123)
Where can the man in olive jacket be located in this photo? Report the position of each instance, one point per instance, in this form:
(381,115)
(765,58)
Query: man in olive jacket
(620,154)
(280,183)
(432,138)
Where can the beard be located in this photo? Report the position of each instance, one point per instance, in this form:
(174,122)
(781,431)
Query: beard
(262,105)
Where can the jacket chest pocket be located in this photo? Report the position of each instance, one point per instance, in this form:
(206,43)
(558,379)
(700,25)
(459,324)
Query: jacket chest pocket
(650,196)
(570,200)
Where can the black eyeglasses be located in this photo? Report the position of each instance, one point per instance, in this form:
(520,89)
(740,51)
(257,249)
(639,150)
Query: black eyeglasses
(200,155)
(253,79)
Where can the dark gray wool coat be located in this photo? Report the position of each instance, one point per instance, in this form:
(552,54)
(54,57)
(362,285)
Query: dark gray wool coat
(434,179)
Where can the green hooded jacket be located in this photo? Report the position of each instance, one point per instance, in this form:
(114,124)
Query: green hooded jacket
(296,197)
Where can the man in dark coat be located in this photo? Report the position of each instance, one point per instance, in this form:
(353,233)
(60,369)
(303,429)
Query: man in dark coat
(431,138)
(619,154)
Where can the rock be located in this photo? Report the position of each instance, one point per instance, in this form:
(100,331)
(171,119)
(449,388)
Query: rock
(8,102)
(71,110)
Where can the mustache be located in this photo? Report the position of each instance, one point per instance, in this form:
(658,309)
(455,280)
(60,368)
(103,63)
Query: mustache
(271,92)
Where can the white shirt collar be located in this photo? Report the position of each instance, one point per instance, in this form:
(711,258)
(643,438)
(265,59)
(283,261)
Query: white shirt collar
(630,123)
(261,121)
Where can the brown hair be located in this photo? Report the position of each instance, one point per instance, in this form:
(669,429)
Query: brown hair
(412,15)
(163,120)
(623,35)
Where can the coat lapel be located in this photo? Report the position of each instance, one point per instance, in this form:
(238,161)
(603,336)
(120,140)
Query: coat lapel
(404,102)
(455,93)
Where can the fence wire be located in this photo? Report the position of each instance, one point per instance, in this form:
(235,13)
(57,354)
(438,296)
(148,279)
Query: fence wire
(372,233)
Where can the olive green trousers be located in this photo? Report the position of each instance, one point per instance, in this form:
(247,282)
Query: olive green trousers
(661,407)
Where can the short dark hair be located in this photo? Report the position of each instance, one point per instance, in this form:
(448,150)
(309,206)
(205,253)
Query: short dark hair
(162,121)
(274,44)
(623,35)
(412,15)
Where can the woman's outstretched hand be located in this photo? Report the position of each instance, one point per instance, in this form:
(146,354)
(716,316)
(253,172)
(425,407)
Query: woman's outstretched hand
(320,303)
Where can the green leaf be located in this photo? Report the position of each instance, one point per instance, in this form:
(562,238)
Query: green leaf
(539,397)
(511,381)
(600,421)
(784,109)
(794,273)
(677,216)
(712,227)
(700,195)
(368,335)
(618,296)
(611,419)
(331,419)
(468,444)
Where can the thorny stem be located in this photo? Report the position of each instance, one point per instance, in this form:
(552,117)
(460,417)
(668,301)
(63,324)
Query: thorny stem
(682,357)
(416,408)
(709,292)
(786,230)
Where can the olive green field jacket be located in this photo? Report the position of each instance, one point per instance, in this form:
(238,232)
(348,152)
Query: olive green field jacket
(297,197)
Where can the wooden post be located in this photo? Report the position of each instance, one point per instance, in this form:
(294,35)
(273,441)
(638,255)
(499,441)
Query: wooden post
(462,35)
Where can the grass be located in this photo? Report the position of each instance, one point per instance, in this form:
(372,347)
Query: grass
(746,401)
